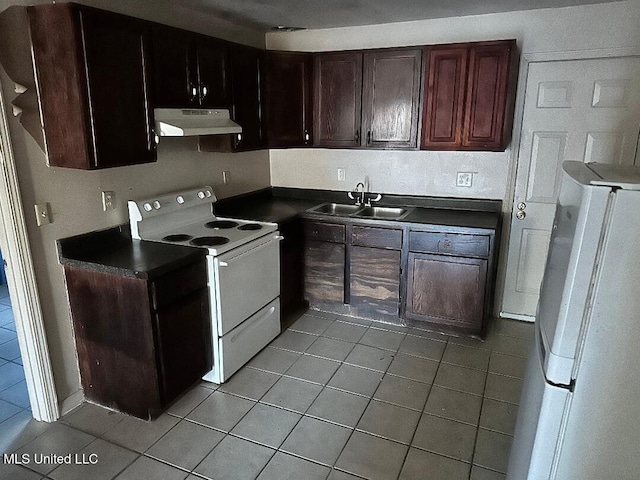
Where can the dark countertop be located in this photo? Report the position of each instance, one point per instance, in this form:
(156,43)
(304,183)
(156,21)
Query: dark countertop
(263,207)
(280,205)
(114,251)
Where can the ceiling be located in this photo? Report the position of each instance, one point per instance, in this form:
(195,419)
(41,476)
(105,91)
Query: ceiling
(265,14)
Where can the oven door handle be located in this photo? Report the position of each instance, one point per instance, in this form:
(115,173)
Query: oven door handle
(222,263)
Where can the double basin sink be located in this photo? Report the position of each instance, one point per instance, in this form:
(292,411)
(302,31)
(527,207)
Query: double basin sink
(345,210)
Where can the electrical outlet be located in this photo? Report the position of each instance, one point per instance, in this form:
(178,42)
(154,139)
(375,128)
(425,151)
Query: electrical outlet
(108,200)
(465,179)
(43,215)
(341,175)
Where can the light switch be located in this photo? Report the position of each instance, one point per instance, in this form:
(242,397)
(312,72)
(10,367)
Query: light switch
(43,213)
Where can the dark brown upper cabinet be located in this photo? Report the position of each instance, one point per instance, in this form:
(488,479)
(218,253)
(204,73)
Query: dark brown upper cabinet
(391,98)
(368,100)
(247,80)
(93,86)
(289,99)
(338,99)
(467,104)
(191,70)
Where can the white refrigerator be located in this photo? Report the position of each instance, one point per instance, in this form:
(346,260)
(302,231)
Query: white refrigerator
(579,414)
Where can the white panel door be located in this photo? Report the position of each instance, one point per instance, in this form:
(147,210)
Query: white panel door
(584,110)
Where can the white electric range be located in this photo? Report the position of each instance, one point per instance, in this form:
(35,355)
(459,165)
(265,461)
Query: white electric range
(243,270)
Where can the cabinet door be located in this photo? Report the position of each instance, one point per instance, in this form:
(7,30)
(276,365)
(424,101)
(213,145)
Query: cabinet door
(446,290)
(213,81)
(247,68)
(374,281)
(484,121)
(446,73)
(184,343)
(391,98)
(338,98)
(91,69)
(324,273)
(289,106)
(174,66)
(116,62)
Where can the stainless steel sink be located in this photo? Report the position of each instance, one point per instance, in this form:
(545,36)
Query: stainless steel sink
(335,209)
(389,213)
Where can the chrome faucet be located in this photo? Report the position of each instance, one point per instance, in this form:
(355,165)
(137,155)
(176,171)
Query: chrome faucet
(362,195)
(359,194)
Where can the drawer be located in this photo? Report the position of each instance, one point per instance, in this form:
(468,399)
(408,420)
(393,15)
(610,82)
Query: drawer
(324,232)
(377,237)
(178,283)
(449,243)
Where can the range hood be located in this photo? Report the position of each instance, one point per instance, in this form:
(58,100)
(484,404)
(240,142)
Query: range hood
(179,122)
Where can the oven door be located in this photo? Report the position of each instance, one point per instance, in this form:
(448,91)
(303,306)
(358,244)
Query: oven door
(246,279)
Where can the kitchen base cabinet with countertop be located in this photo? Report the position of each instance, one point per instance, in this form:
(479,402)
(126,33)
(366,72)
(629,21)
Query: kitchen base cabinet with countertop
(433,268)
(447,280)
(140,313)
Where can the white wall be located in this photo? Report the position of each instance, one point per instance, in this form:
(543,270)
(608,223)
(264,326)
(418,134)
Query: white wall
(571,29)
(75,199)
(393,171)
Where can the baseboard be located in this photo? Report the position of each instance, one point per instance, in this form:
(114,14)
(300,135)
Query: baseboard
(72,401)
(517,316)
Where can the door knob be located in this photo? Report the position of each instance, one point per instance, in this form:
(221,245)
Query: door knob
(522,206)
(520,214)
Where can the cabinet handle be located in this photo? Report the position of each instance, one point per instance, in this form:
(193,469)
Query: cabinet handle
(368,137)
(205,91)
(223,264)
(194,92)
(357,136)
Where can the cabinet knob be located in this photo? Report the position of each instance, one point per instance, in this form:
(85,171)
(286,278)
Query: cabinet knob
(194,92)
(307,137)
(368,137)
(357,136)
(205,91)
(155,137)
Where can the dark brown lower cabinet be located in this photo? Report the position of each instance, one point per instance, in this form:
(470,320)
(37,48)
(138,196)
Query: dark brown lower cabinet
(421,275)
(446,290)
(374,281)
(141,342)
(292,302)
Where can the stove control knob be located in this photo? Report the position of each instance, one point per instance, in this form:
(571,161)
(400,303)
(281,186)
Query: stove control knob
(180,199)
(207,193)
(147,207)
(157,205)
(201,195)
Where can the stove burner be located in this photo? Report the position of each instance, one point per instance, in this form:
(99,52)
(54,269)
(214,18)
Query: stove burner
(250,226)
(209,241)
(178,237)
(224,224)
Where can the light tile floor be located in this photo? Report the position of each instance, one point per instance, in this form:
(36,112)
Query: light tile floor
(14,399)
(331,398)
